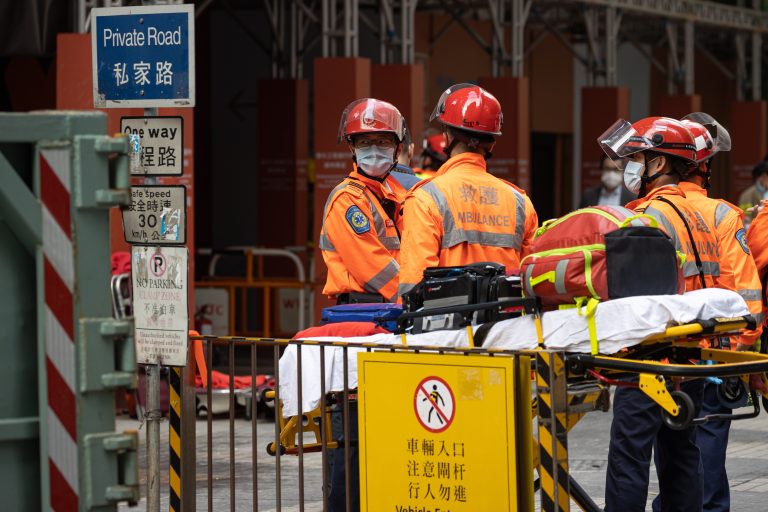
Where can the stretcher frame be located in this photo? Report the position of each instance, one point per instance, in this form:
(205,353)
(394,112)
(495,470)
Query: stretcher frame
(569,385)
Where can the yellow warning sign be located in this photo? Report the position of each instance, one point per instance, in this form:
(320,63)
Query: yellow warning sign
(438,433)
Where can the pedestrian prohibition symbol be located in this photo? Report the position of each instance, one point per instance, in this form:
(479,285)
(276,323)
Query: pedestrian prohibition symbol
(434,404)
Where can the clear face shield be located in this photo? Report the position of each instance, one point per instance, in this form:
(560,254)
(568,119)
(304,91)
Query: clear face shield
(721,139)
(621,141)
(369,115)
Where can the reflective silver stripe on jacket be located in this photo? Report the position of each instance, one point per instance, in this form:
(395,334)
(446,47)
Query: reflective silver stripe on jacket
(519,219)
(453,236)
(710,268)
(721,212)
(391,243)
(759,317)
(656,214)
(325,243)
(404,288)
(340,186)
(381,279)
(750,294)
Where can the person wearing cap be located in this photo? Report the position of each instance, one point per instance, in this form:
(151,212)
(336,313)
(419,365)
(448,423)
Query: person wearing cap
(464,214)
(360,235)
(655,154)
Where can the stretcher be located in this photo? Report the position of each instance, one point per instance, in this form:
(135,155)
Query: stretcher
(633,335)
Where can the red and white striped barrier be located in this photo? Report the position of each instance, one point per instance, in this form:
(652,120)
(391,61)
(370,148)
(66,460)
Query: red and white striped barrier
(59,278)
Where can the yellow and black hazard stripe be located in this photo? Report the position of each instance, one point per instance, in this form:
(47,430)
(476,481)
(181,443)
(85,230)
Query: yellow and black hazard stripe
(174,436)
(553,431)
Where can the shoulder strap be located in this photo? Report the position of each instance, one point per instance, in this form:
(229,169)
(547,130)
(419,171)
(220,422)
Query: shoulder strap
(359,187)
(699,265)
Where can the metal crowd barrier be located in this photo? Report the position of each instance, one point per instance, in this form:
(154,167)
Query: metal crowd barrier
(285,441)
(567,387)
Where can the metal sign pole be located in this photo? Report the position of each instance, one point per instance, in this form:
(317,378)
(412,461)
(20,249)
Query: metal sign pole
(154,417)
(143,56)
(154,412)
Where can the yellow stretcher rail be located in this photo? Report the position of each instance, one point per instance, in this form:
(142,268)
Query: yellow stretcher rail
(714,326)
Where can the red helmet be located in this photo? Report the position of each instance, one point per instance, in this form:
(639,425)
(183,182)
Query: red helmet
(434,146)
(710,136)
(470,108)
(369,115)
(660,134)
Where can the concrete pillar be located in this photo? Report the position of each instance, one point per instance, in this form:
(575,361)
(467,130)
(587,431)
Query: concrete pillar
(403,86)
(749,129)
(74,87)
(282,168)
(677,106)
(338,82)
(600,108)
(74,91)
(512,153)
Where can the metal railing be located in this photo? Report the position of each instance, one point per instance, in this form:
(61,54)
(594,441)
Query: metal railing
(288,438)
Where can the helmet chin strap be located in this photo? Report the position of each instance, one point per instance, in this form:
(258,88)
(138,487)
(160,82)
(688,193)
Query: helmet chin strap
(706,175)
(647,180)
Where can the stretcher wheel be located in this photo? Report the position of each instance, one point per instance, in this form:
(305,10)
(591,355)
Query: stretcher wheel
(733,393)
(271,449)
(685,408)
(576,367)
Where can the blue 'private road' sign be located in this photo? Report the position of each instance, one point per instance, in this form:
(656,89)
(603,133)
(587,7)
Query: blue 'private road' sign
(143,56)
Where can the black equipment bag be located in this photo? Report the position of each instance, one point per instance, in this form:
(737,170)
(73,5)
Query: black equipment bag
(448,287)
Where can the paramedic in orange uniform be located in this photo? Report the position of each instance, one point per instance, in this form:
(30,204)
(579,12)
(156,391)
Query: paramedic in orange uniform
(464,214)
(360,237)
(738,273)
(757,237)
(737,268)
(655,154)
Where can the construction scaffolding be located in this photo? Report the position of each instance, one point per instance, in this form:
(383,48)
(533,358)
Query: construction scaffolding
(718,30)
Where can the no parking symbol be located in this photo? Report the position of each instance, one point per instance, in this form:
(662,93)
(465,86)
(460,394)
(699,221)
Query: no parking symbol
(434,404)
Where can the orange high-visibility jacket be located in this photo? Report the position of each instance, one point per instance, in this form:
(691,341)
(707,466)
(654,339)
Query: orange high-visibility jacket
(464,215)
(703,233)
(359,242)
(757,237)
(737,268)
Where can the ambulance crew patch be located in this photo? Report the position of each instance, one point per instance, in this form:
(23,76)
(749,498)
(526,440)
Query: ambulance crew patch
(741,236)
(357,219)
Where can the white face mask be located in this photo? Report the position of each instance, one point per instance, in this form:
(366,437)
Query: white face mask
(633,172)
(375,161)
(611,179)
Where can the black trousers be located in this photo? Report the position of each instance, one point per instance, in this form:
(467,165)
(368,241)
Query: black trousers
(636,429)
(337,497)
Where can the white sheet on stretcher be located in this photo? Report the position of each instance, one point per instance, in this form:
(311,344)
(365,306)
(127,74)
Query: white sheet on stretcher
(620,324)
